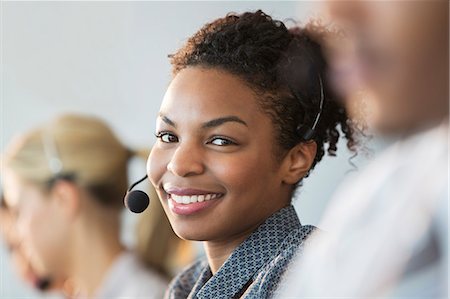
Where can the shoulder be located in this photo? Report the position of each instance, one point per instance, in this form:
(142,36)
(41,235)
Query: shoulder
(147,276)
(296,239)
(129,277)
(268,278)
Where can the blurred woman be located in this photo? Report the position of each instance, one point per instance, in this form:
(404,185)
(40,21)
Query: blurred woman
(389,236)
(65,182)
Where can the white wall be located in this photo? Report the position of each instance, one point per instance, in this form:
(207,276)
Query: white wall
(110,59)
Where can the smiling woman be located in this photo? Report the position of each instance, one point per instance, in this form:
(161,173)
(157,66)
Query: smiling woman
(245,118)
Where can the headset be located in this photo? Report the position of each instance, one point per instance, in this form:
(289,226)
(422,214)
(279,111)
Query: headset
(51,153)
(307,133)
(137,201)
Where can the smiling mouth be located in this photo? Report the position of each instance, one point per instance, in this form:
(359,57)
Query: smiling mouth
(189,199)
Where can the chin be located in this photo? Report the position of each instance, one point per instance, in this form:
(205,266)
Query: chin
(190,234)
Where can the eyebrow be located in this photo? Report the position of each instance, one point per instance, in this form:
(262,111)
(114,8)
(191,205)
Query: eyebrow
(167,120)
(220,121)
(209,124)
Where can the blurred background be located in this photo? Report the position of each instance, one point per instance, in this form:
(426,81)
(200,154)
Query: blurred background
(109,59)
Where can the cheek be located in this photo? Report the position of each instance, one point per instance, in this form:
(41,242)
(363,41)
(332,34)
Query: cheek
(242,174)
(30,222)
(31,227)
(156,166)
(43,235)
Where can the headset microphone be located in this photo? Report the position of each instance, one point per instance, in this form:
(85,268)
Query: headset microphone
(136,201)
(305,132)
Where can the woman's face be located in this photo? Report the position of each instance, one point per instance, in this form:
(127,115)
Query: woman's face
(399,52)
(20,261)
(213,164)
(38,224)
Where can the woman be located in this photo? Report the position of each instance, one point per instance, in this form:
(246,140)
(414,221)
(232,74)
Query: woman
(401,198)
(64,182)
(245,118)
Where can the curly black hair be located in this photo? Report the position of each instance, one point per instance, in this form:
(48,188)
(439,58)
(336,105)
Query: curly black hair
(285,67)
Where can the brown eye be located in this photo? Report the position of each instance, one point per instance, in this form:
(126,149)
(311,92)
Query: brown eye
(221,141)
(167,137)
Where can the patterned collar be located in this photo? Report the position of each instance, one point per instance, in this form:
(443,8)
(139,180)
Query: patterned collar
(244,264)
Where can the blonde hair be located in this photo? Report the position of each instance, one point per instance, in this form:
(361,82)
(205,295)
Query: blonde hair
(84,147)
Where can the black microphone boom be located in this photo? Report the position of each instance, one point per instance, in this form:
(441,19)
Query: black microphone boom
(136,201)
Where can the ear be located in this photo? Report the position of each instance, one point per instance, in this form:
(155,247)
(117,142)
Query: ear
(298,161)
(66,198)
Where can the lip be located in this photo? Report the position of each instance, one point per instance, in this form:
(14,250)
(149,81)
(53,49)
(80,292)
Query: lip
(193,207)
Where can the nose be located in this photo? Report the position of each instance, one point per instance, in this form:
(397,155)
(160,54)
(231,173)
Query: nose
(187,160)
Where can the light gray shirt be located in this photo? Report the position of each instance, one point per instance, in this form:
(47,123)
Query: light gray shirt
(388,233)
(130,279)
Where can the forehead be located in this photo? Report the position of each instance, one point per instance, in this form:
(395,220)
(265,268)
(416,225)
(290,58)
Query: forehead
(15,188)
(11,186)
(205,92)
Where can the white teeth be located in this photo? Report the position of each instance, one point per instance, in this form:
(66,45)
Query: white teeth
(178,199)
(194,198)
(186,199)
